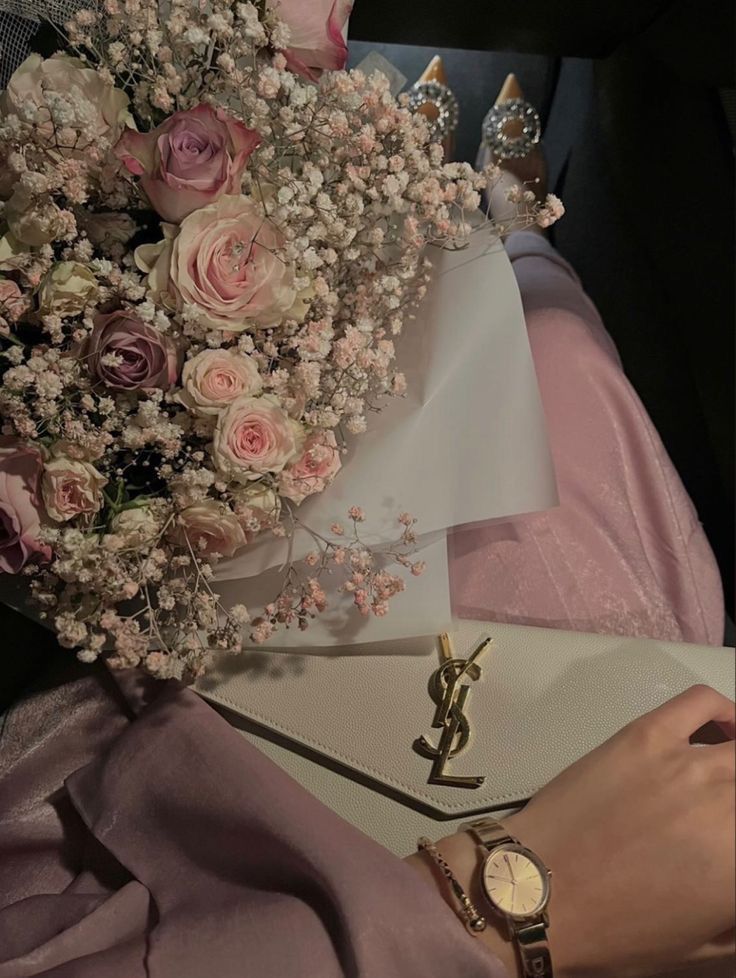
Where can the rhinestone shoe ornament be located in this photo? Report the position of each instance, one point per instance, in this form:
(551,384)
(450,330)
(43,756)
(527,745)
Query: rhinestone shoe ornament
(440,98)
(512,114)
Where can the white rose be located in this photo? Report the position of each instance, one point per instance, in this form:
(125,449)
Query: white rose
(33,221)
(107,227)
(209,527)
(98,108)
(155,260)
(215,378)
(12,253)
(67,289)
(137,526)
(257,506)
(71,488)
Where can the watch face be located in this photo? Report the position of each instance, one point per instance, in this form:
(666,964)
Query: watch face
(515,882)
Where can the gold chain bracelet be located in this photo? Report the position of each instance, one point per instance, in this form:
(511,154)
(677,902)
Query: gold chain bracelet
(474,922)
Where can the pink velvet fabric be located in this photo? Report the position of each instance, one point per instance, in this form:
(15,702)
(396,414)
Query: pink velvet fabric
(624,552)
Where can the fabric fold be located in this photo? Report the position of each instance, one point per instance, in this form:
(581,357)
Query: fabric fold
(233,869)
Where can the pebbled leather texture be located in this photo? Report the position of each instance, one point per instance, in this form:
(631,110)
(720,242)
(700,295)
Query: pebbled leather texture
(343,725)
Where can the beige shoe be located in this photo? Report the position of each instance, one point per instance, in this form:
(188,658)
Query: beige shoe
(529,170)
(432,96)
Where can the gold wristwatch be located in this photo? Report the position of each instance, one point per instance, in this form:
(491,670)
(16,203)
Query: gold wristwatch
(516,883)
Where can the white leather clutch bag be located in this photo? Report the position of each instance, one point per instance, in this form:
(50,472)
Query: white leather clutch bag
(346,726)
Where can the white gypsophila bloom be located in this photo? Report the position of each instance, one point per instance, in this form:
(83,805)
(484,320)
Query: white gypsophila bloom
(196,36)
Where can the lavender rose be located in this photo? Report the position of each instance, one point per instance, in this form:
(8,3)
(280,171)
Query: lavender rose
(20,475)
(190,160)
(316,42)
(127,354)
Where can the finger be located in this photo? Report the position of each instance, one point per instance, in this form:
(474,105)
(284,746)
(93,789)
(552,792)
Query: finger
(721,948)
(721,757)
(689,711)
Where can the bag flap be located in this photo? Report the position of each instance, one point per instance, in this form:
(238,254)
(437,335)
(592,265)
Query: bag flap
(544,698)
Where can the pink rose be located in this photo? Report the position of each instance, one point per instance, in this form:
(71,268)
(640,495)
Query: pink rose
(71,488)
(12,301)
(316,41)
(215,378)
(254,435)
(209,527)
(190,160)
(20,474)
(314,470)
(127,354)
(225,261)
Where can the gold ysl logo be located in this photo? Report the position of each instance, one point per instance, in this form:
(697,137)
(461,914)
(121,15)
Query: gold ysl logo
(450,694)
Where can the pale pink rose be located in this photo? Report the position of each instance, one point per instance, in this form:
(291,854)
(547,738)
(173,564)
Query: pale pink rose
(71,488)
(314,470)
(225,262)
(190,160)
(209,527)
(12,301)
(316,41)
(254,436)
(20,504)
(105,108)
(215,378)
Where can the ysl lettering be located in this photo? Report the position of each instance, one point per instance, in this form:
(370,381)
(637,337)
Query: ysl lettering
(449,694)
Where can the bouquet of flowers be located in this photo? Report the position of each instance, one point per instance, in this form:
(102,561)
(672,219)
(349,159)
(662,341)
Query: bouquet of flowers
(210,237)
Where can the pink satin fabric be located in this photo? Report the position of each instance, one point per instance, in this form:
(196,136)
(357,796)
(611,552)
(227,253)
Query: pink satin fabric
(624,552)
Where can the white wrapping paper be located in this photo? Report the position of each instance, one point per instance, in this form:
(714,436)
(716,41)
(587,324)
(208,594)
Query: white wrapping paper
(467,444)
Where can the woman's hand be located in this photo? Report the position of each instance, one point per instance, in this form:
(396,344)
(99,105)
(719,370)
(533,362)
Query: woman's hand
(640,838)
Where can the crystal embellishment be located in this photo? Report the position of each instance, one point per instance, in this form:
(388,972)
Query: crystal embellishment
(444,101)
(495,134)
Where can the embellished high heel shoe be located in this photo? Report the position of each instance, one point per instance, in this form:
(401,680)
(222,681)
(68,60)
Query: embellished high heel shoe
(511,128)
(511,134)
(432,96)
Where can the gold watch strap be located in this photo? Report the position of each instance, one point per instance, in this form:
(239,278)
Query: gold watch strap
(489,832)
(534,950)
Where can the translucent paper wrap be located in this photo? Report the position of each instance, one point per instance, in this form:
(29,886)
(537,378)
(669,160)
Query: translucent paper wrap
(466,445)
